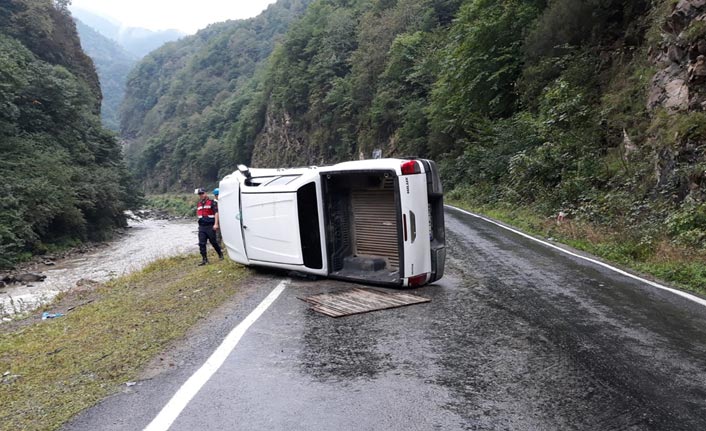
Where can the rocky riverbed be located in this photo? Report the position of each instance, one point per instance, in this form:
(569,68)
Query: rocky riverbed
(144,241)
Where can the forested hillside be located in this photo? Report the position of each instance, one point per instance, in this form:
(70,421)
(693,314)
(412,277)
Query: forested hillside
(590,107)
(63,178)
(113,64)
(184,99)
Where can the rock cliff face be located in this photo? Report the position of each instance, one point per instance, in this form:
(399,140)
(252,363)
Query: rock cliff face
(281,144)
(678,92)
(678,85)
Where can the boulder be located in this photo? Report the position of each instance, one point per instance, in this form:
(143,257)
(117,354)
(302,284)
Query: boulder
(86,282)
(682,14)
(697,71)
(675,53)
(29,277)
(677,95)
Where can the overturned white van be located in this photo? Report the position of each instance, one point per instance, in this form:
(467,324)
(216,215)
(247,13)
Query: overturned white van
(374,221)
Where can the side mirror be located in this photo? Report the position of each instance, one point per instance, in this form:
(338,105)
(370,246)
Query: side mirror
(245,171)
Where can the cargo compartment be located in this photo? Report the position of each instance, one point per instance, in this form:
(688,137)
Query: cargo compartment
(362,229)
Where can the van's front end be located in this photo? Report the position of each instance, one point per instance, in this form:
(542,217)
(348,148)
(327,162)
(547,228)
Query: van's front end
(272,217)
(229,216)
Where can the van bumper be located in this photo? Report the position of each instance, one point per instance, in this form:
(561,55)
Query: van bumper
(438,260)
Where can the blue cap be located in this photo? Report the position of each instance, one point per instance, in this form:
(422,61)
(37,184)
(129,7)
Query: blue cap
(215,192)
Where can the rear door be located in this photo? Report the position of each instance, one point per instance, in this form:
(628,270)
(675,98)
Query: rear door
(415,219)
(271,228)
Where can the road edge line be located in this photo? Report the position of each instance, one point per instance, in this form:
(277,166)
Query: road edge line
(193,385)
(681,293)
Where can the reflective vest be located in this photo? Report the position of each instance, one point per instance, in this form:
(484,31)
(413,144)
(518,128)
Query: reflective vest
(204,211)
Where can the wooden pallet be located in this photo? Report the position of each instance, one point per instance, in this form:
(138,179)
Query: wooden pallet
(356,301)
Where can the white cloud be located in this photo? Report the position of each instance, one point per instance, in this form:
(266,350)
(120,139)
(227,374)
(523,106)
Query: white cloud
(185,15)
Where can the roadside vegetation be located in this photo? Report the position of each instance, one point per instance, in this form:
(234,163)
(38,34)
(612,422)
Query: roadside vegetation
(174,204)
(52,369)
(657,257)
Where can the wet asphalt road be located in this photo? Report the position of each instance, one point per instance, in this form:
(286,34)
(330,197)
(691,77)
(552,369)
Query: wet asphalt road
(517,336)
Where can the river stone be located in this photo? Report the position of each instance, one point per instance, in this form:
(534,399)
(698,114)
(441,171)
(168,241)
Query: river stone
(29,277)
(86,282)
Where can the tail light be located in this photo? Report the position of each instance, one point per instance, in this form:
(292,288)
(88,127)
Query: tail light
(417,280)
(410,167)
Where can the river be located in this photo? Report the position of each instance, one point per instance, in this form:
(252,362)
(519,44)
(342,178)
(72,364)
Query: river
(143,242)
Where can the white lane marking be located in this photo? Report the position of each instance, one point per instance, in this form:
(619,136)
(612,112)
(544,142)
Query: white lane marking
(191,387)
(688,296)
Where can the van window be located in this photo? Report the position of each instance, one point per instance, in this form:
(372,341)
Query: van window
(308,209)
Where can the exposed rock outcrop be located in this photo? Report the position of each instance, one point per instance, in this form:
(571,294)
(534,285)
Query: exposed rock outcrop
(279,143)
(680,61)
(678,88)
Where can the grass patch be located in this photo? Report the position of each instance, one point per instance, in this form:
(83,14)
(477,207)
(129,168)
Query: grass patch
(177,205)
(680,266)
(56,368)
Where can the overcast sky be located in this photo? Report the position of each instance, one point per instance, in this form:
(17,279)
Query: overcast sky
(185,15)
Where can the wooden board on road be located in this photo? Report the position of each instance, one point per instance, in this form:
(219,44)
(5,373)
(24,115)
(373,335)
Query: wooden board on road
(356,301)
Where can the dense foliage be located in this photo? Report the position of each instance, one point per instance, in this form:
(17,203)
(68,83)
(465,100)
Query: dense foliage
(63,178)
(183,98)
(113,64)
(590,107)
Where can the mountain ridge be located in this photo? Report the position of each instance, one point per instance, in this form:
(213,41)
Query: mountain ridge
(113,64)
(136,40)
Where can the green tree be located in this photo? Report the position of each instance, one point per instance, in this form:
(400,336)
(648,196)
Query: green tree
(480,67)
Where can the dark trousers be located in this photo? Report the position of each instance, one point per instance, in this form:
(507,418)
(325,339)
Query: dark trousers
(206,232)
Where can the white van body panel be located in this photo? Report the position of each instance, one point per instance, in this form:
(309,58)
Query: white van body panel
(268,223)
(298,268)
(413,199)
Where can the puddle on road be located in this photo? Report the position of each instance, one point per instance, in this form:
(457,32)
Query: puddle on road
(145,242)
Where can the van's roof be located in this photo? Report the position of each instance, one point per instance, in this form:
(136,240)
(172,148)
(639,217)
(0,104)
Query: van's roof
(274,180)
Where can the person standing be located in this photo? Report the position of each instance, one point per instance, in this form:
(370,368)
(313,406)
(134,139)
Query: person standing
(219,237)
(207,213)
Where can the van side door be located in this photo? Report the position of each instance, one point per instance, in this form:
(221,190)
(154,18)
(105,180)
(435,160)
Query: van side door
(270,227)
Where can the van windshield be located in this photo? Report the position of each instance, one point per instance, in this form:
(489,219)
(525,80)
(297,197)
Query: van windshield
(308,212)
